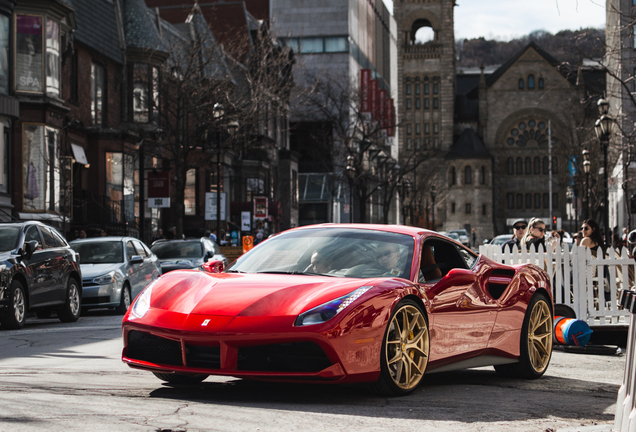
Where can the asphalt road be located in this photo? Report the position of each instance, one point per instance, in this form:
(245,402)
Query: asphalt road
(60,377)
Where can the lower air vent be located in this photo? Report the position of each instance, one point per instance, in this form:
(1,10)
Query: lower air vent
(205,357)
(287,357)
(153,349)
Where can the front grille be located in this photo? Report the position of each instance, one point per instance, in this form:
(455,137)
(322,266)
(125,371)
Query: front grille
(287,357)
(153,349)
(206,357)
(95,300)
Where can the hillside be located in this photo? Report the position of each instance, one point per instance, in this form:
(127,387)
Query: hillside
(567,46)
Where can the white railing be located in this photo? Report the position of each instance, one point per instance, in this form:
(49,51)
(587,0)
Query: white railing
(589,285)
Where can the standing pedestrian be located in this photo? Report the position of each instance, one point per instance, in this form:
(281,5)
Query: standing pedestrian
(474,238)
(158,235)
(518,231)
(535,236)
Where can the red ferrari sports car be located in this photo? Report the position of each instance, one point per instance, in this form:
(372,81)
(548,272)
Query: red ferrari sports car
(344,303)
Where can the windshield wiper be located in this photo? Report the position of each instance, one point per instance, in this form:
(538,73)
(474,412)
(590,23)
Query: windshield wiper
(297,273)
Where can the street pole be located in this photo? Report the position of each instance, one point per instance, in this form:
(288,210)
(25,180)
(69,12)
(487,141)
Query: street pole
(142,197)
(218,192)
(608,235)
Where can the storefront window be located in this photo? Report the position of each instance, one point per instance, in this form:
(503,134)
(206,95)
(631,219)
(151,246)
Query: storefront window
(28,53)
(4,54)
(190,194)
(121,185)
(41,168)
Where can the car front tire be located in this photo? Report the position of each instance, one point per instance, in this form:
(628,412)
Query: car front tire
(124,302)
(15,317)
(405,350)
(72,308)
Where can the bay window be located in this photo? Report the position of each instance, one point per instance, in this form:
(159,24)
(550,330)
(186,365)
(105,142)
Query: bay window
(37,56)
(122,183)
(97,94)
(4,54)
(145,92)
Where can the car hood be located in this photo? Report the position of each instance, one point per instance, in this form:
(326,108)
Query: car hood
(201,293)
(90,271)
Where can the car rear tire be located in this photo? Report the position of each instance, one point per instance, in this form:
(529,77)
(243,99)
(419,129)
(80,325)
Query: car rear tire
(535,341)
(405,350)
(124,302)
(15,317)
(72,308)
(177,378)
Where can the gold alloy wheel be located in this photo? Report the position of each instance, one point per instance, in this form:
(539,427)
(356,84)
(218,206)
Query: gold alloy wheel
(540,336)
(407,347)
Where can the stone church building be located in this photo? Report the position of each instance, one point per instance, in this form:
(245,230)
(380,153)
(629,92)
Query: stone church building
(495,145)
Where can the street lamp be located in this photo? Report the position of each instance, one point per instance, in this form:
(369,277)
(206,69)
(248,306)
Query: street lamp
(586,169)
(433,195)
(602,127)
(218,111)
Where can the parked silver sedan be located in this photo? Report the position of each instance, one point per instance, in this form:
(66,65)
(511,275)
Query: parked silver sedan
(114,270)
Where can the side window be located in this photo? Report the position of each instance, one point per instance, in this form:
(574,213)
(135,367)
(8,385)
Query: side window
(33,234)
(59,237)
(468,257)
(140,249)
(438,258)
(50,240)
(130,250)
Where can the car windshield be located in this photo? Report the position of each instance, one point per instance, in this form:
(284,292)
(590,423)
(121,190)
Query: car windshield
(459,232)
(179,249)
(99,252)
(9,237)
(453,235)
(338,252)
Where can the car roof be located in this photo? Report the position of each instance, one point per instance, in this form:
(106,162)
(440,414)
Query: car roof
(102,239)
(399,229)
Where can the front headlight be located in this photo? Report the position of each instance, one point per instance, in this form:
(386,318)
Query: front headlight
(142,303)
(326,311)
(105,279)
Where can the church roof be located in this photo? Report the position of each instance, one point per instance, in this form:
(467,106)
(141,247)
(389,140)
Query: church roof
(492,78)
(468,146)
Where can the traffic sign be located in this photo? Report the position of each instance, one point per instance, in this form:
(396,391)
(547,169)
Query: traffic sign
(159,202)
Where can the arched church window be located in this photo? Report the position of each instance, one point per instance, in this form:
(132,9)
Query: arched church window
(541,83)
(521,84)
(482,175)
(519,166)
(546,165)
(468,175)
(528,166)
(530,133)
(453,176)
(511,166)
(530,82)
(537,165)
(422,32)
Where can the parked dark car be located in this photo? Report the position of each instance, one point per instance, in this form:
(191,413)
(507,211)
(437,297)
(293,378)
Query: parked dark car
(115,271)
(186,254)
(38,271)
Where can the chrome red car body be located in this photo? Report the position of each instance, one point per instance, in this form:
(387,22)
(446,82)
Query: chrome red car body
(225,323)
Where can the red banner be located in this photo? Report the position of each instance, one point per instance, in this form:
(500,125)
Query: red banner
(390,113)
(159,184)
(260,208)
(374,96)
(365,78)
(382,109)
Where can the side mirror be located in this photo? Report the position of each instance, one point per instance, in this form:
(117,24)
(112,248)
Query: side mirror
(209,254)
(136,259)
(455,277)
(213,266)
(486,241)
(29,248)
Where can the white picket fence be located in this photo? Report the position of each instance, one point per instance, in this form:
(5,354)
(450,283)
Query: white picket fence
(589,285)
